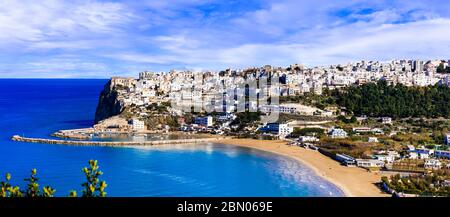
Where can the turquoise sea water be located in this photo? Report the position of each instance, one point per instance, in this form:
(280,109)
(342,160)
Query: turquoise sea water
(39,107)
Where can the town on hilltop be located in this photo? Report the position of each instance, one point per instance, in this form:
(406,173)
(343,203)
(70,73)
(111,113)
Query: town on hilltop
(390,116)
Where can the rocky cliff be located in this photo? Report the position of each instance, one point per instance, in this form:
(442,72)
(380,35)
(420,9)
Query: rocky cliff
(108,104)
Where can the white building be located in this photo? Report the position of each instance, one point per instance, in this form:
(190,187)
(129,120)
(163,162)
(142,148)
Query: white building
(361,129)
(373,139)
(284,130)
(308,139)
(385,158)
(369,163)
(377,131)
(421,153)
(433,164)
(424,155)
(413,155)
(204,121)
(137,125)
(226,117)
(386,120)
(289,109)
(338,133)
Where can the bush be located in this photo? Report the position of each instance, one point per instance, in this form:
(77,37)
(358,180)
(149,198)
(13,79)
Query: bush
(93,187)
(308,132)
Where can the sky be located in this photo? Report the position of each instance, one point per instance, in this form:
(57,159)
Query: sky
(100,39)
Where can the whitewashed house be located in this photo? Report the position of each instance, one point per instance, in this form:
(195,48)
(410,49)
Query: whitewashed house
(386,120)
(338,133)
(284,130)
(308,139)
(385,158)
(433,164)
(413,155)
(369,163)
(137,125)
(373,139)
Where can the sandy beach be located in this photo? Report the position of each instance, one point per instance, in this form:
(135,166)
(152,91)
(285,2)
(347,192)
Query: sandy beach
(354,182)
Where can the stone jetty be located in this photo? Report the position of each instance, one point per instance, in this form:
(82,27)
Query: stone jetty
(107,143)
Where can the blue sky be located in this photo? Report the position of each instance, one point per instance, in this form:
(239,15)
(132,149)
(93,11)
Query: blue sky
(98,39)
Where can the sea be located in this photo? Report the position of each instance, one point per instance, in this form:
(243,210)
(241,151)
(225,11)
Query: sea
(39,107)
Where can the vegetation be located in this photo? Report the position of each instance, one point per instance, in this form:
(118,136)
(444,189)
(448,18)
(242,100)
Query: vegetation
(409,165)
(380,99)
(311,99)
(163,107)
(430,130)
(433,184)
(246,118)
(357,149)
(308,132)
(398,101)
(285,117)
(33,187)
(93,187)
(347,120)
(442,69)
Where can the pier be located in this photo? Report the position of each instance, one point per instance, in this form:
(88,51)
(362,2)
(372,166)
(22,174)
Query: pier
(112,144)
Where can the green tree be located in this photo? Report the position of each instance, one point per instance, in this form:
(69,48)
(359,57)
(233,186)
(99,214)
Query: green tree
(48,191)
(73,194)
(32,186)
(93,187)
(308,132)
(440,68)
(5,186)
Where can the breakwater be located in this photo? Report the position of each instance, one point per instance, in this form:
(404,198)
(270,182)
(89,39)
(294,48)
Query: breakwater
(108,143)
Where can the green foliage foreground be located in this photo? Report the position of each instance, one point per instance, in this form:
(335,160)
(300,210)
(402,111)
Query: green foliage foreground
(93,187)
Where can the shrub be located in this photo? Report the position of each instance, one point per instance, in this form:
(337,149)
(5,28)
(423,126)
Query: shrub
(94,187)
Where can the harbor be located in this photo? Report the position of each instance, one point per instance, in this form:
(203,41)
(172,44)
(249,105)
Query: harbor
(18,138)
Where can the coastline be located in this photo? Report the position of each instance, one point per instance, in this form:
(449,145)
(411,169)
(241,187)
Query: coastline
(353,181)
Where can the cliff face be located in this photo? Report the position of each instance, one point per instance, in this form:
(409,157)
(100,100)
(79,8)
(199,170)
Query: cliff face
(108,103)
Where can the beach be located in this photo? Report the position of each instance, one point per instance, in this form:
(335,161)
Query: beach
(353,181)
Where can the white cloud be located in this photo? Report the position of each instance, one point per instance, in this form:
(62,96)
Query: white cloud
(83,37)
(423,39)
(27,22)
(145,58)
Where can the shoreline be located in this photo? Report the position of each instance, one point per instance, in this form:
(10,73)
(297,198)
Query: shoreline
(352,181)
